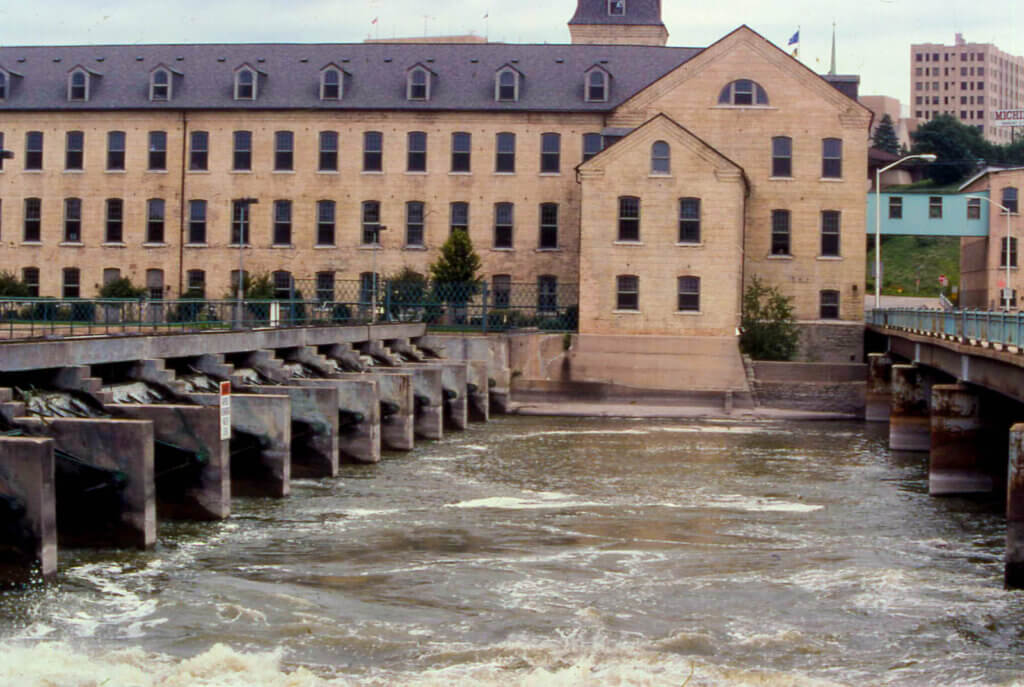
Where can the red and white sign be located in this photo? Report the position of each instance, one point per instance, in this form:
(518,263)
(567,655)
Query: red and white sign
(225,410)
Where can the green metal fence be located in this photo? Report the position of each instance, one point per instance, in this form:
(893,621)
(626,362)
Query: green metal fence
(461,306)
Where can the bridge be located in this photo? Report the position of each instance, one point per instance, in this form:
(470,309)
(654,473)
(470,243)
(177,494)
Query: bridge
(952,383)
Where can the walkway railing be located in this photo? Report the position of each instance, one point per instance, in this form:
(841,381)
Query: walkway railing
(965,325)
(440,306)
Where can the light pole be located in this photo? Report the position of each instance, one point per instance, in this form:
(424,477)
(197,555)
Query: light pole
(1006,211)
(373,268)
(243,230)
(929,157)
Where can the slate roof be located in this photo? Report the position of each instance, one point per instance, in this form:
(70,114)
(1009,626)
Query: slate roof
(552,75)
(638,13)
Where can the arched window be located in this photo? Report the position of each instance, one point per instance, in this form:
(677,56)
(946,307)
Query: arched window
(78,86)
(330,84)
(245,84)
(596,85)
(1010,198)
(160,85)
(661,158)
(506,85)
(743,92)
(418,84)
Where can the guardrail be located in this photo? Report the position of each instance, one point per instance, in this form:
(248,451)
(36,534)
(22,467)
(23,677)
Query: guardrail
(440,306)
(1005,328)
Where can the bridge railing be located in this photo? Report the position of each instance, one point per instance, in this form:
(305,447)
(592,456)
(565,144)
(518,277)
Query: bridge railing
(1006,328)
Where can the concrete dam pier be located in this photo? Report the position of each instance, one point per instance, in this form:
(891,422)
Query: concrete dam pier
(101,438)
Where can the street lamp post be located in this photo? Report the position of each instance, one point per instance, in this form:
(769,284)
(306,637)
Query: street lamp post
(243,229)
(1006,211)
(373,267)
(929,157)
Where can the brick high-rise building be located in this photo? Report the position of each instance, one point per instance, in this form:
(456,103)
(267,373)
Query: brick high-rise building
(969,81)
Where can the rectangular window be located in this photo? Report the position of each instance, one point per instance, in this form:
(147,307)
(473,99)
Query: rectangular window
(503,223)
(829,305)
(689,220)
(780,232)
(629,218)
(33,220)
(241,213)
(1012,251)
(547,293)
(832,158)
(325,223)
(550,153)
(373,151)
(328,151)
(830,232)
(155,220)
(782,156)
(70,287)
(935,207)
(242,158)
(114,232)
(501,290)
(196,284)
(284,151)
(157,151)
(458,217)
(416,159)
(115,151)
(591,145)
(688,294)
(30,278)
(505,155)
(461,146)
(282,222)
(325,286)
(73,220)
(34,150)
(973,208)
(895,207)
(199,153)
(414,223)
(197,221)
(74,152)
(548,225)
(371,223)
(627,296)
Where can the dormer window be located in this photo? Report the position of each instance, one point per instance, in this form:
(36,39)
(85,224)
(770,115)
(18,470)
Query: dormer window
(160,85)
(616,8)
(506,85)
(330,83)
(418,84)
(743,92)
(245,84)
(78,86)
(596,85)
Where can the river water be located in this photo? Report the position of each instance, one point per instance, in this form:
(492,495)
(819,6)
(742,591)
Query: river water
(554,551)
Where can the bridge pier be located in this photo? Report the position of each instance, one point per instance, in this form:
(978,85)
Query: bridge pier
(1014,561)
(910,420)
(878,401)
(29,517)
(956,462)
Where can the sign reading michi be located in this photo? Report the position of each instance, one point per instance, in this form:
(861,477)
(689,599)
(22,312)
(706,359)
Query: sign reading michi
(1008,117)
(225,410)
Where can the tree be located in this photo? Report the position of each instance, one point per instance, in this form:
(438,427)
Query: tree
(122,287)
(960,148)
(767,325)
(458,261)
(885,136)
(12,287)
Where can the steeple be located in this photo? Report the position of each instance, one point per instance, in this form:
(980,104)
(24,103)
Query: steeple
(618,22)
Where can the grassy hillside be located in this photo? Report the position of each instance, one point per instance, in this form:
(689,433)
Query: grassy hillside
(911,265)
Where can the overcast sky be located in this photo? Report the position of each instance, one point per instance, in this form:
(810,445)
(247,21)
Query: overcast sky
(873,37)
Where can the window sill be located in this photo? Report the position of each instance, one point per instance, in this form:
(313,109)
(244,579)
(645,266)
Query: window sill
(779,257)
(626,312)
(416,247)
(72,244)
(197,245)
(688,313)
(627,243)
(830,258)
(555,249)
(154,244)
(831,180)
(502,250)
(114,244)
(690,244)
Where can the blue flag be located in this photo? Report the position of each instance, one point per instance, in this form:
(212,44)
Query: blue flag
(795,38)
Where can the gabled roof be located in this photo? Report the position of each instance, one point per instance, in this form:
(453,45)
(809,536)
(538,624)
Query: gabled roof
(377,71)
